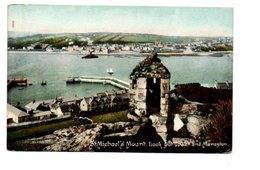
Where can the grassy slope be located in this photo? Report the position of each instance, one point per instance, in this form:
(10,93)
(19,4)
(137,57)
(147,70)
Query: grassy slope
(58,40)
(39,130)
(49,128)
(120,116)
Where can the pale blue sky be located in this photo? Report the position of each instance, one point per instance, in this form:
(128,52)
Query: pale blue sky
(156,20)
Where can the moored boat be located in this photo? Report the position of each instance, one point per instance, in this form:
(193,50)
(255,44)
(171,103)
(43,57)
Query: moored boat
(72,80)
(43,83)
(110,71)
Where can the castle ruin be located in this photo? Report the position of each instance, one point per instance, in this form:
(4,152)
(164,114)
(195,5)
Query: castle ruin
(150,88)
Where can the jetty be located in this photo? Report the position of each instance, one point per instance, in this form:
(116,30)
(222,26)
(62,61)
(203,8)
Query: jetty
(72,80)
(104,80)
(13,82)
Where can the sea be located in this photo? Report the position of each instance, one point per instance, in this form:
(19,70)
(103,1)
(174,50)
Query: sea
(54,68)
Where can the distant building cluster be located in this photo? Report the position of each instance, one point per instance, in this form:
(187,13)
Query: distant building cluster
(105,101)
(46,109)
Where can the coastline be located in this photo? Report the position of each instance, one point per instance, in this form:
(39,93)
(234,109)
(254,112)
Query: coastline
(213,54)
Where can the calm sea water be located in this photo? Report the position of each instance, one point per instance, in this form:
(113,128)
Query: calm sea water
(55,68)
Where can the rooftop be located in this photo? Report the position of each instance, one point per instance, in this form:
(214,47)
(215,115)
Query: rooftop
(42,113)
(34,104)
(13,110)
(70,99)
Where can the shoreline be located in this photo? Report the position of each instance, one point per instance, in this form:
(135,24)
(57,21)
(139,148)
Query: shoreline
(213,54)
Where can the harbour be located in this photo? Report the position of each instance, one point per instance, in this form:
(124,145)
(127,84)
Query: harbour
(55,68)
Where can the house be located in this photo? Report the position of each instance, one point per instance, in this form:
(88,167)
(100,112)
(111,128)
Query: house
(123,100)
(30,48)
(64,109)
(88,104)
(223,85)
(70,100)
(100,104)
(90,42)
(104,100)
(65,106)
(41,115)
(126,48)
(43,105)
(107,103)
(114,102)
(49,49)
(16,115)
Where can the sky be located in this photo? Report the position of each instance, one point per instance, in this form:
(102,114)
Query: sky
(177,21)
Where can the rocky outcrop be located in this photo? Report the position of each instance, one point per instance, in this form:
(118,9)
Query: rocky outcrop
(81,138)
(177,122)
(157,120)
(90,55)
(133,117)
(196,125)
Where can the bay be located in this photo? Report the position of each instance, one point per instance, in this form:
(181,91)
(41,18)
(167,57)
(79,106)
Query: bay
(56,67)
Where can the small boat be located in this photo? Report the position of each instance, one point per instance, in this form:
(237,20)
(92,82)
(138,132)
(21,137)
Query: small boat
(110,71)
(44,83)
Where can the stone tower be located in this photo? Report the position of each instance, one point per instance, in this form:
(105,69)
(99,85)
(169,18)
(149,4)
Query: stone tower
(150,87)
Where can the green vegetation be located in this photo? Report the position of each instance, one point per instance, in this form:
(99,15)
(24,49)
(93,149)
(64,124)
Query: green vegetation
(196,92)
(120,116)
(220,129)
(39,130)
(122,38)
(216,48)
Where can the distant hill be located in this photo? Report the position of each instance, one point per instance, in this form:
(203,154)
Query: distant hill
(13,34)
(19,40)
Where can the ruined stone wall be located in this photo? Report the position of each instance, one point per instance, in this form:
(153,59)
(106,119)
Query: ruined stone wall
(165,92)
(150,67)
(138,97)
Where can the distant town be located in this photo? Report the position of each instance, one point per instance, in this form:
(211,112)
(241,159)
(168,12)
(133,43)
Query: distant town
(113,43)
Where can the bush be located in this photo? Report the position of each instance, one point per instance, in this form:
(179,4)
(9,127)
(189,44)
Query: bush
(220,128)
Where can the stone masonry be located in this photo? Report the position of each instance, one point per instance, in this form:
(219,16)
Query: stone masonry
(150,68)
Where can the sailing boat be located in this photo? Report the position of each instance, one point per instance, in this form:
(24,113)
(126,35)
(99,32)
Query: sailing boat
(110,71)
(44,83)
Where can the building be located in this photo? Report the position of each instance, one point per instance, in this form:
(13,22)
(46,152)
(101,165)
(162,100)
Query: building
(105,101)
(41,115)
(223,85)
(88,104)
(65,106)
(70,100)
(150,87)
(16,115)
(42,105)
